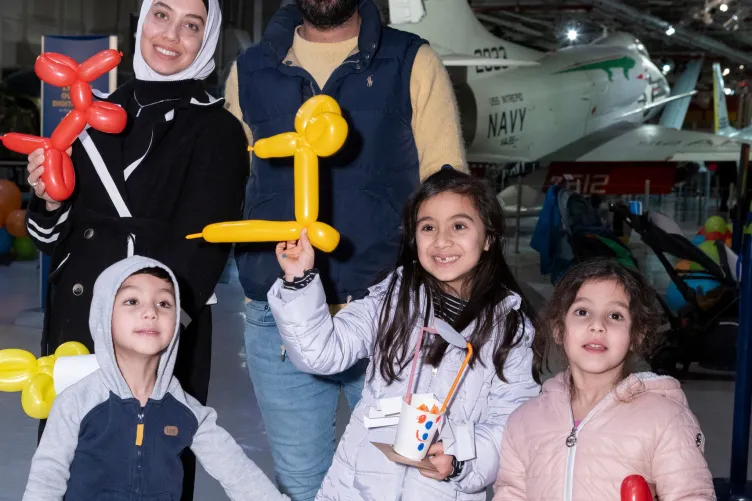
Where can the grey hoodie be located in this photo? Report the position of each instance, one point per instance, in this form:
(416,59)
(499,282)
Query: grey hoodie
(100,444)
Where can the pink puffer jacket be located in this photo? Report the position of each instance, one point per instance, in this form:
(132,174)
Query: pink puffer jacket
(643,427)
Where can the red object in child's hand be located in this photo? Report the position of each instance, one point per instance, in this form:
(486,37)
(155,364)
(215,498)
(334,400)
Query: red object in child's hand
(635,488)
(62,71)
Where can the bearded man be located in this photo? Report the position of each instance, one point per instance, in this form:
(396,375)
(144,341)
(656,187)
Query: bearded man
(403,126)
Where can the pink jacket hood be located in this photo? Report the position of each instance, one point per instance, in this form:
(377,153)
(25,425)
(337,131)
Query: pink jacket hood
(644,427)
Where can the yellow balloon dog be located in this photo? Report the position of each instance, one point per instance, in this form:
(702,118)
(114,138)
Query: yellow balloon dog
(21,371)
(320,131)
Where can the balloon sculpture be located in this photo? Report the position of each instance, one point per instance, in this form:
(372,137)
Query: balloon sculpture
(21,371)
(62,71)
(320,131)
(635,488)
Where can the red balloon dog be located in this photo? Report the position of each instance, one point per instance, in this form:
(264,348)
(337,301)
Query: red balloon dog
(635,488)
(61,71)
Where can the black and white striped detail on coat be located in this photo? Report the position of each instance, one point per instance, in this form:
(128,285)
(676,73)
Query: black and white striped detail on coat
(448,308)
(46,235)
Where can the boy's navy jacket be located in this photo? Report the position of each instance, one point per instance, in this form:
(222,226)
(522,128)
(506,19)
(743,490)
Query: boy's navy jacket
(100,444)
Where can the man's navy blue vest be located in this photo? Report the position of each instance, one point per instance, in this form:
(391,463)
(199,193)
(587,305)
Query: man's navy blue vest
(364,186)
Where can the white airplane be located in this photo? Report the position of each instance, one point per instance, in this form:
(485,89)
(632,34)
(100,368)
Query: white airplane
(584,103)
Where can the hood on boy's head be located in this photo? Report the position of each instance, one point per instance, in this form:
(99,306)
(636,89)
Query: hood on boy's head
(100,324)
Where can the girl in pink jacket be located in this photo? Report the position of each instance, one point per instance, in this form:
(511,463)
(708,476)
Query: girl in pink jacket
(595,424)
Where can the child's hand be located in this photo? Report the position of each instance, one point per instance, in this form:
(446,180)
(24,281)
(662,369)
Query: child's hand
(441,461)
(295,257)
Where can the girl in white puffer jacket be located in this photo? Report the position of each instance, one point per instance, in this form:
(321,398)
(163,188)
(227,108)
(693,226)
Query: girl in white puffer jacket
(451,267)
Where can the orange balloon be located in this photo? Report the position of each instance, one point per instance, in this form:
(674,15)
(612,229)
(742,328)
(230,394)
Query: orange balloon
(10,199)
(15,223)
(683,265)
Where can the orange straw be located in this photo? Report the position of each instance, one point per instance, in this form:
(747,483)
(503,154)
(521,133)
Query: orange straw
(457,379)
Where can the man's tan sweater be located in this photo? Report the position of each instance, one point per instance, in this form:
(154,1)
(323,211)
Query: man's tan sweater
(435,122)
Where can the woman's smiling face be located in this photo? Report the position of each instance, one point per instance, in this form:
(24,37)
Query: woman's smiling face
(172,35)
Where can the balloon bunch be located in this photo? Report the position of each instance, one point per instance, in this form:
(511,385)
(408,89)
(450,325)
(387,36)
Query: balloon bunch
(21,371)
(320,131)
(635,488)
(62,71)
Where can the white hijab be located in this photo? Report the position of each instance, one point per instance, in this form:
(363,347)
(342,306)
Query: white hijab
(201,67)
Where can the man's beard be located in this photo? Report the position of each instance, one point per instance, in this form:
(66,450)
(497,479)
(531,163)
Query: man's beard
(327,14)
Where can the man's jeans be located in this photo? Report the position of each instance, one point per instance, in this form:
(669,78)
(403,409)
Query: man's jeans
(299,409)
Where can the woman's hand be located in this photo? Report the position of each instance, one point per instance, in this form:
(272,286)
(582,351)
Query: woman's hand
(441,461)
(295,257)
(36,159)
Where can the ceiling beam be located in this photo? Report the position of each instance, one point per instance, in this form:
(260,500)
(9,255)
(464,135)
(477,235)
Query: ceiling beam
(684,35)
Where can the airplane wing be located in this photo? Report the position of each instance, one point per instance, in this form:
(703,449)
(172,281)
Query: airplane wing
(489,158)
(661,102)
(461,60)
(624,142)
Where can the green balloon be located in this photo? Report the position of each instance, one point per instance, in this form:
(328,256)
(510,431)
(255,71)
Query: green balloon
(24,249)
(715,224)
(708,247)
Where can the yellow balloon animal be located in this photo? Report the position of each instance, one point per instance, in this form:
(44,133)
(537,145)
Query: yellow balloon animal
(21,371)
(320,131)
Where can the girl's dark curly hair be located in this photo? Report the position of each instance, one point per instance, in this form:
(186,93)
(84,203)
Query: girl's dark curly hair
(644,309)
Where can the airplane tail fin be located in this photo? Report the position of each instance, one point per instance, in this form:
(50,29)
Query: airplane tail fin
(675,112)
(722,123)
(453,29)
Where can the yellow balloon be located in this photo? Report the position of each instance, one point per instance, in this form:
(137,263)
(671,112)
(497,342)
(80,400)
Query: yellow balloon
(326,133)
(16,368)
(281,145)
(37,396)
(323,236)
(252,231)
(315,105)
(320,131)
(46,364)
(306,179)
(71,349)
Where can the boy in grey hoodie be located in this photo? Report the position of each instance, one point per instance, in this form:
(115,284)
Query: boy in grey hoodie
(118,433)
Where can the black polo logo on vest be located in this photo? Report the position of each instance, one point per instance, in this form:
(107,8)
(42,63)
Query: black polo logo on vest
(698,440)
(171,431)
(369,81)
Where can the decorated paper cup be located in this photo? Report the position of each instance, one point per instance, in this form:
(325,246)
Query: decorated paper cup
(417,428)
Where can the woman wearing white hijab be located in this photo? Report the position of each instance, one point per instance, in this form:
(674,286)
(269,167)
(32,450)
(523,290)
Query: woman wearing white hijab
(180,164)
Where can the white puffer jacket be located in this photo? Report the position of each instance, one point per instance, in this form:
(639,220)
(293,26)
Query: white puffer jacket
(320,344)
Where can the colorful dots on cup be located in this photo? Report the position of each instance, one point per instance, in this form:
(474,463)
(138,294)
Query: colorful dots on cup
(421,447)
(429,425)
(422,418)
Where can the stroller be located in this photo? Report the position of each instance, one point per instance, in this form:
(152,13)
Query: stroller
(704,329)
(571,231)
